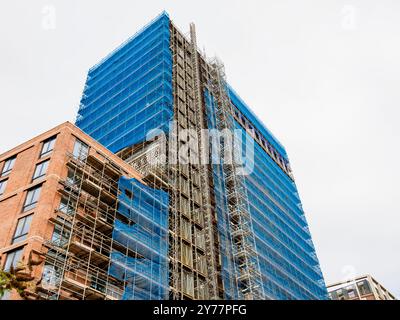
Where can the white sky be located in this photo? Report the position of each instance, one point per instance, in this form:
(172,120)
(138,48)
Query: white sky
(322,75)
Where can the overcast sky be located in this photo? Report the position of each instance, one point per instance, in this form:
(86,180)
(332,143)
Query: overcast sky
(322,75)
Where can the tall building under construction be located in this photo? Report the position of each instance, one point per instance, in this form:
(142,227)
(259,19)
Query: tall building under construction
(166,216)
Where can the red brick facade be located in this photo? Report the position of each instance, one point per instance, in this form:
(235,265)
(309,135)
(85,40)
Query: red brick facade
(19,182)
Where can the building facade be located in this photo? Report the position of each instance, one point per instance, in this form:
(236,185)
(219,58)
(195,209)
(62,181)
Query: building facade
(360,288)
(81,221)
(232,235)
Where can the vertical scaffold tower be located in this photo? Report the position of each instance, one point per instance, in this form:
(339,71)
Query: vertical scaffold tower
(245,258)
(205,187)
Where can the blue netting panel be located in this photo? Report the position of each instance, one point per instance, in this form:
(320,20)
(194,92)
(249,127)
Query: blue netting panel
(143,233)
(130,92)
(246,111)
(228,269)
(288,262)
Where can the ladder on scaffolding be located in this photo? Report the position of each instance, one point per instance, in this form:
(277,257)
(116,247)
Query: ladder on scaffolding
(245,258)
(203,171)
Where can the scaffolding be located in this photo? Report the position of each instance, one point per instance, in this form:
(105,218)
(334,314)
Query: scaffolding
(246,267)
(192,253)
(193,271)
(211,235)
(108,243)
(217,219)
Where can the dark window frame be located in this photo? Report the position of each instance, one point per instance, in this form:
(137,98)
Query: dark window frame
(81,150)
(13,263)
(60,235)
(3,185)
(46,162)
(11,161)
(24,229)
(48,144)
(66,206)
(32,205)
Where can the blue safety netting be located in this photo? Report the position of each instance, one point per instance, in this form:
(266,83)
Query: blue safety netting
(130,92)
(127,95)
(228,270)
(246,111)
(288,263)
(142,232)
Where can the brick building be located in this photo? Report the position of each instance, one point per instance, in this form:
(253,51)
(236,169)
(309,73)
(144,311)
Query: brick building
(59,195)
(360,288)
(194,226)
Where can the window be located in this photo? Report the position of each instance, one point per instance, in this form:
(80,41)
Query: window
(200,239)
(202,290)
(3,185)
(41,170)
(187,257)
(188,283)
(333,295)
(48,146)
(13,258)
(22,230)
(60,236)
(51,275)
(351,291)
(363,287)
(32,198)
(8,166)
(196,178)
(340,294)
(81,150)
(201,263)
(196,195)
(197,215)
(186,229)
(184,206)
(66,206)
(184,185)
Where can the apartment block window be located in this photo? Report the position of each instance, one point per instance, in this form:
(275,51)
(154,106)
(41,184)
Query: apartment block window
(184,206)
(196,178)
(333,295)
(186,229)
(188,283)
(13,258)
(196,195)
(184,185)
(8,166)
(22,230)
(81,150)
(3,185)
(363,287)
(67,206)
(200,239)
(60,236)
(41,170)
(48,147)
(32,198)
(187,257)
(201,263)
(340,294)
(202,289)
(197,215)
(351,291)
